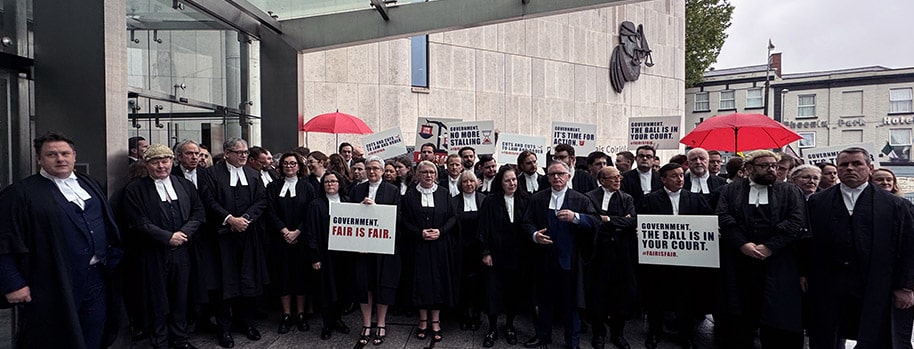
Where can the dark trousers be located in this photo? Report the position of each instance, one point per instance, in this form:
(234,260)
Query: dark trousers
(903,323)
(170,327)
(331,314)
(738,332)
(616,325)
(238,311)
(89,297)
(556,293)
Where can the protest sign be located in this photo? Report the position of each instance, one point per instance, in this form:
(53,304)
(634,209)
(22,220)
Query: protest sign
(477,134)
(583,137)
(509,146)
(385,144)
(818,155)
(432,130)
(362,228)
(678,240)
(661,132)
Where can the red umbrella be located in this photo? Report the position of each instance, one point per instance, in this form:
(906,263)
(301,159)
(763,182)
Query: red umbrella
(739,132)
(336,123)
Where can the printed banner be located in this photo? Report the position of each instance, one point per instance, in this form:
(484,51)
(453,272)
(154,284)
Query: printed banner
(477,134)
(362,228)
(583,137)
(679,240)
(386,144)
(818,155)
(509,146)
(433,130)
(661,132)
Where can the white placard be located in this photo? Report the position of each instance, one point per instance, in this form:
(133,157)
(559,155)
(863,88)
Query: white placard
(356,227)
(691,241)
(386,144)
(509,146)
(818,155)
(583,137)
(661,132)
(433,130)
(477,134)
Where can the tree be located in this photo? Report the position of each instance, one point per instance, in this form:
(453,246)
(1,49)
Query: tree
(706,23)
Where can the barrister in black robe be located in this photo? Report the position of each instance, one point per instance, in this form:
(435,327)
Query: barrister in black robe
(761,223)
(333,268)
(581,180)
(376,276)
(699,179)
(164,213)
(694,287)
(234,197)
(612,284)
(862,263)
(287,203)
(643,172)
(43,250)
(501,237)
(563,223)
(466,247)
(428,220)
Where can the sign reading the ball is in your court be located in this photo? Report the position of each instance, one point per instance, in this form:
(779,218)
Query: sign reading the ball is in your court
(691,241)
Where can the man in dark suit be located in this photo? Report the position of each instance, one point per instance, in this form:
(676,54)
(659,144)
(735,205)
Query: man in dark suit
(715,162)
(136,146)
(562,222)
(642,180)
(187,156)
(528,179)
(488,168)
(581,181)
(449,177)
(233,195)
(60,246)
(346,151)
(691,284)
(261,161)
(611,282)
(761,223)
(862,258)
(699,180)
(164,212)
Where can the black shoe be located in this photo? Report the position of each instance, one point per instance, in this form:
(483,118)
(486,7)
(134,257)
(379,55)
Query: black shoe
(650,341)
(510,336)
(285,324)
(436,334)
(225,340)
(379,336)
(620,342)
(598,342)
(251,333)
(303,325)
(489,340)
(326,333)
(341,327)
(536,342)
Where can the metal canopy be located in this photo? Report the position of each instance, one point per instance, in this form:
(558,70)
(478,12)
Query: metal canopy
(363,26)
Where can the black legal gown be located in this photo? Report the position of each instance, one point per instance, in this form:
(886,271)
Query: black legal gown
(289,269)
(507,280)
(377,273)
(433,277)
(333,282)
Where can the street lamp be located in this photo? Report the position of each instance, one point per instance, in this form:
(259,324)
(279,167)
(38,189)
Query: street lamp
(783,103)
(768,73)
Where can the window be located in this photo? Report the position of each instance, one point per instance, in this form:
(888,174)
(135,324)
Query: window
(900,140)
(852,103)
(808,140)
(702,103)
(754,98)
(900,100)
(419,60)
(727,100)
(806,106)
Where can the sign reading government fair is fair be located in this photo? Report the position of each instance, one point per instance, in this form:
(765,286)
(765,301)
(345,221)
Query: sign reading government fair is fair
(679,240)
(385,144)
(583,137)
(509,146)
(661,132)
(362,228)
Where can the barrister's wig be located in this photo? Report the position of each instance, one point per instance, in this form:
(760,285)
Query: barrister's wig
(158,151)
(761,154)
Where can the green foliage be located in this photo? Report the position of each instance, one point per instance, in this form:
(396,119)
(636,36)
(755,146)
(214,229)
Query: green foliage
(705,26)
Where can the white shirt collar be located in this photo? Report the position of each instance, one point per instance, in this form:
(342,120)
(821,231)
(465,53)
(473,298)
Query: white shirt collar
(558,198)
(265,177)
(700,183)
(70,188)
(758,194)
(166,189)
(509,206)
(607,196)
(288,186)
(236,174)
(190,175)
(333,197)
(469,202)
(532,184)
(674,199)
(850,195)
(452,186)
(646,178)
(427,194)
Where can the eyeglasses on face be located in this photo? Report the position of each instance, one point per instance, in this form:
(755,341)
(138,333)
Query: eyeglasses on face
(240,152)
(557,174)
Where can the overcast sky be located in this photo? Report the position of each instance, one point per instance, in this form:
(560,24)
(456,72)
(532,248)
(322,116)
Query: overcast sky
(816,35)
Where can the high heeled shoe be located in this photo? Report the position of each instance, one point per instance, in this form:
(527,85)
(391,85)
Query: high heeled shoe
(436,334)
(420,332)
(379,336)
(365,336)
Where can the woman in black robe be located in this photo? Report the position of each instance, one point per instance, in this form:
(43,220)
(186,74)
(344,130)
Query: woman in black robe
(466,204)
(333,270)
(317,165)
(286,202)
(501,238)
(429,221)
